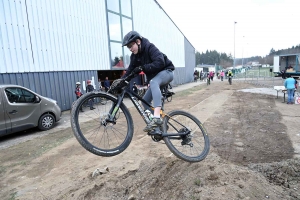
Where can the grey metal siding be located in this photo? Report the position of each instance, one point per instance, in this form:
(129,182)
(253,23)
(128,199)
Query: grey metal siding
(39,35)
(190,60)
(55,85)
(47,46)
(185,74)
(160,30)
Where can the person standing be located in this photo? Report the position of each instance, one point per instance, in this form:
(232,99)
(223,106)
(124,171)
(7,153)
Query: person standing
(208,77)
(222,75)
(106,84)
(90,88)
(99,84)
(289,84)
(78,93)
(201,75)
(196,74)
(211,75)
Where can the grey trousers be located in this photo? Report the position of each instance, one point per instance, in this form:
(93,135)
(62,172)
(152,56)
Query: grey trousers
(161,80)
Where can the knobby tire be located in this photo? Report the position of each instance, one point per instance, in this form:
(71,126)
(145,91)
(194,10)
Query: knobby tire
(198,135)
(94,133)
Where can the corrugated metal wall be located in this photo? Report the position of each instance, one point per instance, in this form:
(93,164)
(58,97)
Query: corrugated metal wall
(166,36)
(47,46)
(152,22)
(55,85)
(40,35)
(185,74)
(190,60)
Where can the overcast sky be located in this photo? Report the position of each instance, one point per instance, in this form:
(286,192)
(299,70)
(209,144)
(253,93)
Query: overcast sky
(261,24)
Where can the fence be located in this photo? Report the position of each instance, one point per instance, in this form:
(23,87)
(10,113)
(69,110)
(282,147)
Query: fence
(260,76)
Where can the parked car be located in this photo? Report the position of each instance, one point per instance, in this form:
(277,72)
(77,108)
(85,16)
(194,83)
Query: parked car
(21,109)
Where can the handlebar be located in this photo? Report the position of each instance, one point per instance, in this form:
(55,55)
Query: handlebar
(129,77)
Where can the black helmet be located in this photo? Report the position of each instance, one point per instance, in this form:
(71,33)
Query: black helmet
(131,37)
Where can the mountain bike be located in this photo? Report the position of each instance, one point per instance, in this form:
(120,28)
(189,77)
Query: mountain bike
(108,129)
(208,81)
(230,80)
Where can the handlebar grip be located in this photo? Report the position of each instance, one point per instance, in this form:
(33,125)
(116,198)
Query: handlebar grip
(129,77)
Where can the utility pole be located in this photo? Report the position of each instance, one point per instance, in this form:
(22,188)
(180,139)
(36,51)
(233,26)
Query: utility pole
(234,45)
(243,52)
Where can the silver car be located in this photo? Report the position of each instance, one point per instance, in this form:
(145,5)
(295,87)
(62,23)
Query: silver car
(21,109)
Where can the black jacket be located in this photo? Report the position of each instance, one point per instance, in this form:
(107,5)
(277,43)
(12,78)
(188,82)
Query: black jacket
(151,58)
(89,88)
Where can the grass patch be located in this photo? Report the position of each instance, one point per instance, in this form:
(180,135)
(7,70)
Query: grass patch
(2,170)
(189,91)
(50,144)
(198,182)
(183,93)
(29,150)
(12,196)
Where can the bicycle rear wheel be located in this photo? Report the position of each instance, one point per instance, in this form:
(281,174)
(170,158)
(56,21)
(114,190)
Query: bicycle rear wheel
(192,147)
(93,129)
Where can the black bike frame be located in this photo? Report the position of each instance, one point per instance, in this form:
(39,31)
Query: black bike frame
(134,99)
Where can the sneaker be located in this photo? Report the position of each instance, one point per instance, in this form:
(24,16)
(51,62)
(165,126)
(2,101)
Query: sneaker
(92,108)
(156,122)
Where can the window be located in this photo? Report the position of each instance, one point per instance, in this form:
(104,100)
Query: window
(126,7)
(126,25)
(113,5)
(114,27)
(19,95)
(116,55)
(126,57)
(120,23)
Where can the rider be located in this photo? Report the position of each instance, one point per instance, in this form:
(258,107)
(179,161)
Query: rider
(229,74)
(158,68)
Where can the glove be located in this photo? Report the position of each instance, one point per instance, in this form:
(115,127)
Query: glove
(138,70)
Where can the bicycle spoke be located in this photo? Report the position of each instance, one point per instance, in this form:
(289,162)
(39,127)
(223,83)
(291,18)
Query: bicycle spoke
(193,145)
(95,130)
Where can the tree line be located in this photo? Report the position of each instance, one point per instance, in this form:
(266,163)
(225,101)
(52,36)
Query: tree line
(224,60)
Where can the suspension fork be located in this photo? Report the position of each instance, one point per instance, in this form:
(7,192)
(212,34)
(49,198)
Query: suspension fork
(115,107)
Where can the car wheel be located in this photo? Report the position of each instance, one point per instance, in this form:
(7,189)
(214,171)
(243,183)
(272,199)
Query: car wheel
(46,122)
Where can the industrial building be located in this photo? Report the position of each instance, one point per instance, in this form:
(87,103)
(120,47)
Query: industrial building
(47,46)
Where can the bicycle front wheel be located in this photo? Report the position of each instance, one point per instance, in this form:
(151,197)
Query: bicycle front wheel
(95,129)
(191,147)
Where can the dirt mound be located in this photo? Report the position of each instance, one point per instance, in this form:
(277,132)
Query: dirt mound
(170,178)
(285,174)
(253,139)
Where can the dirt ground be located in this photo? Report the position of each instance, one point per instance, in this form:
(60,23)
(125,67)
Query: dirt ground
(254,155)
